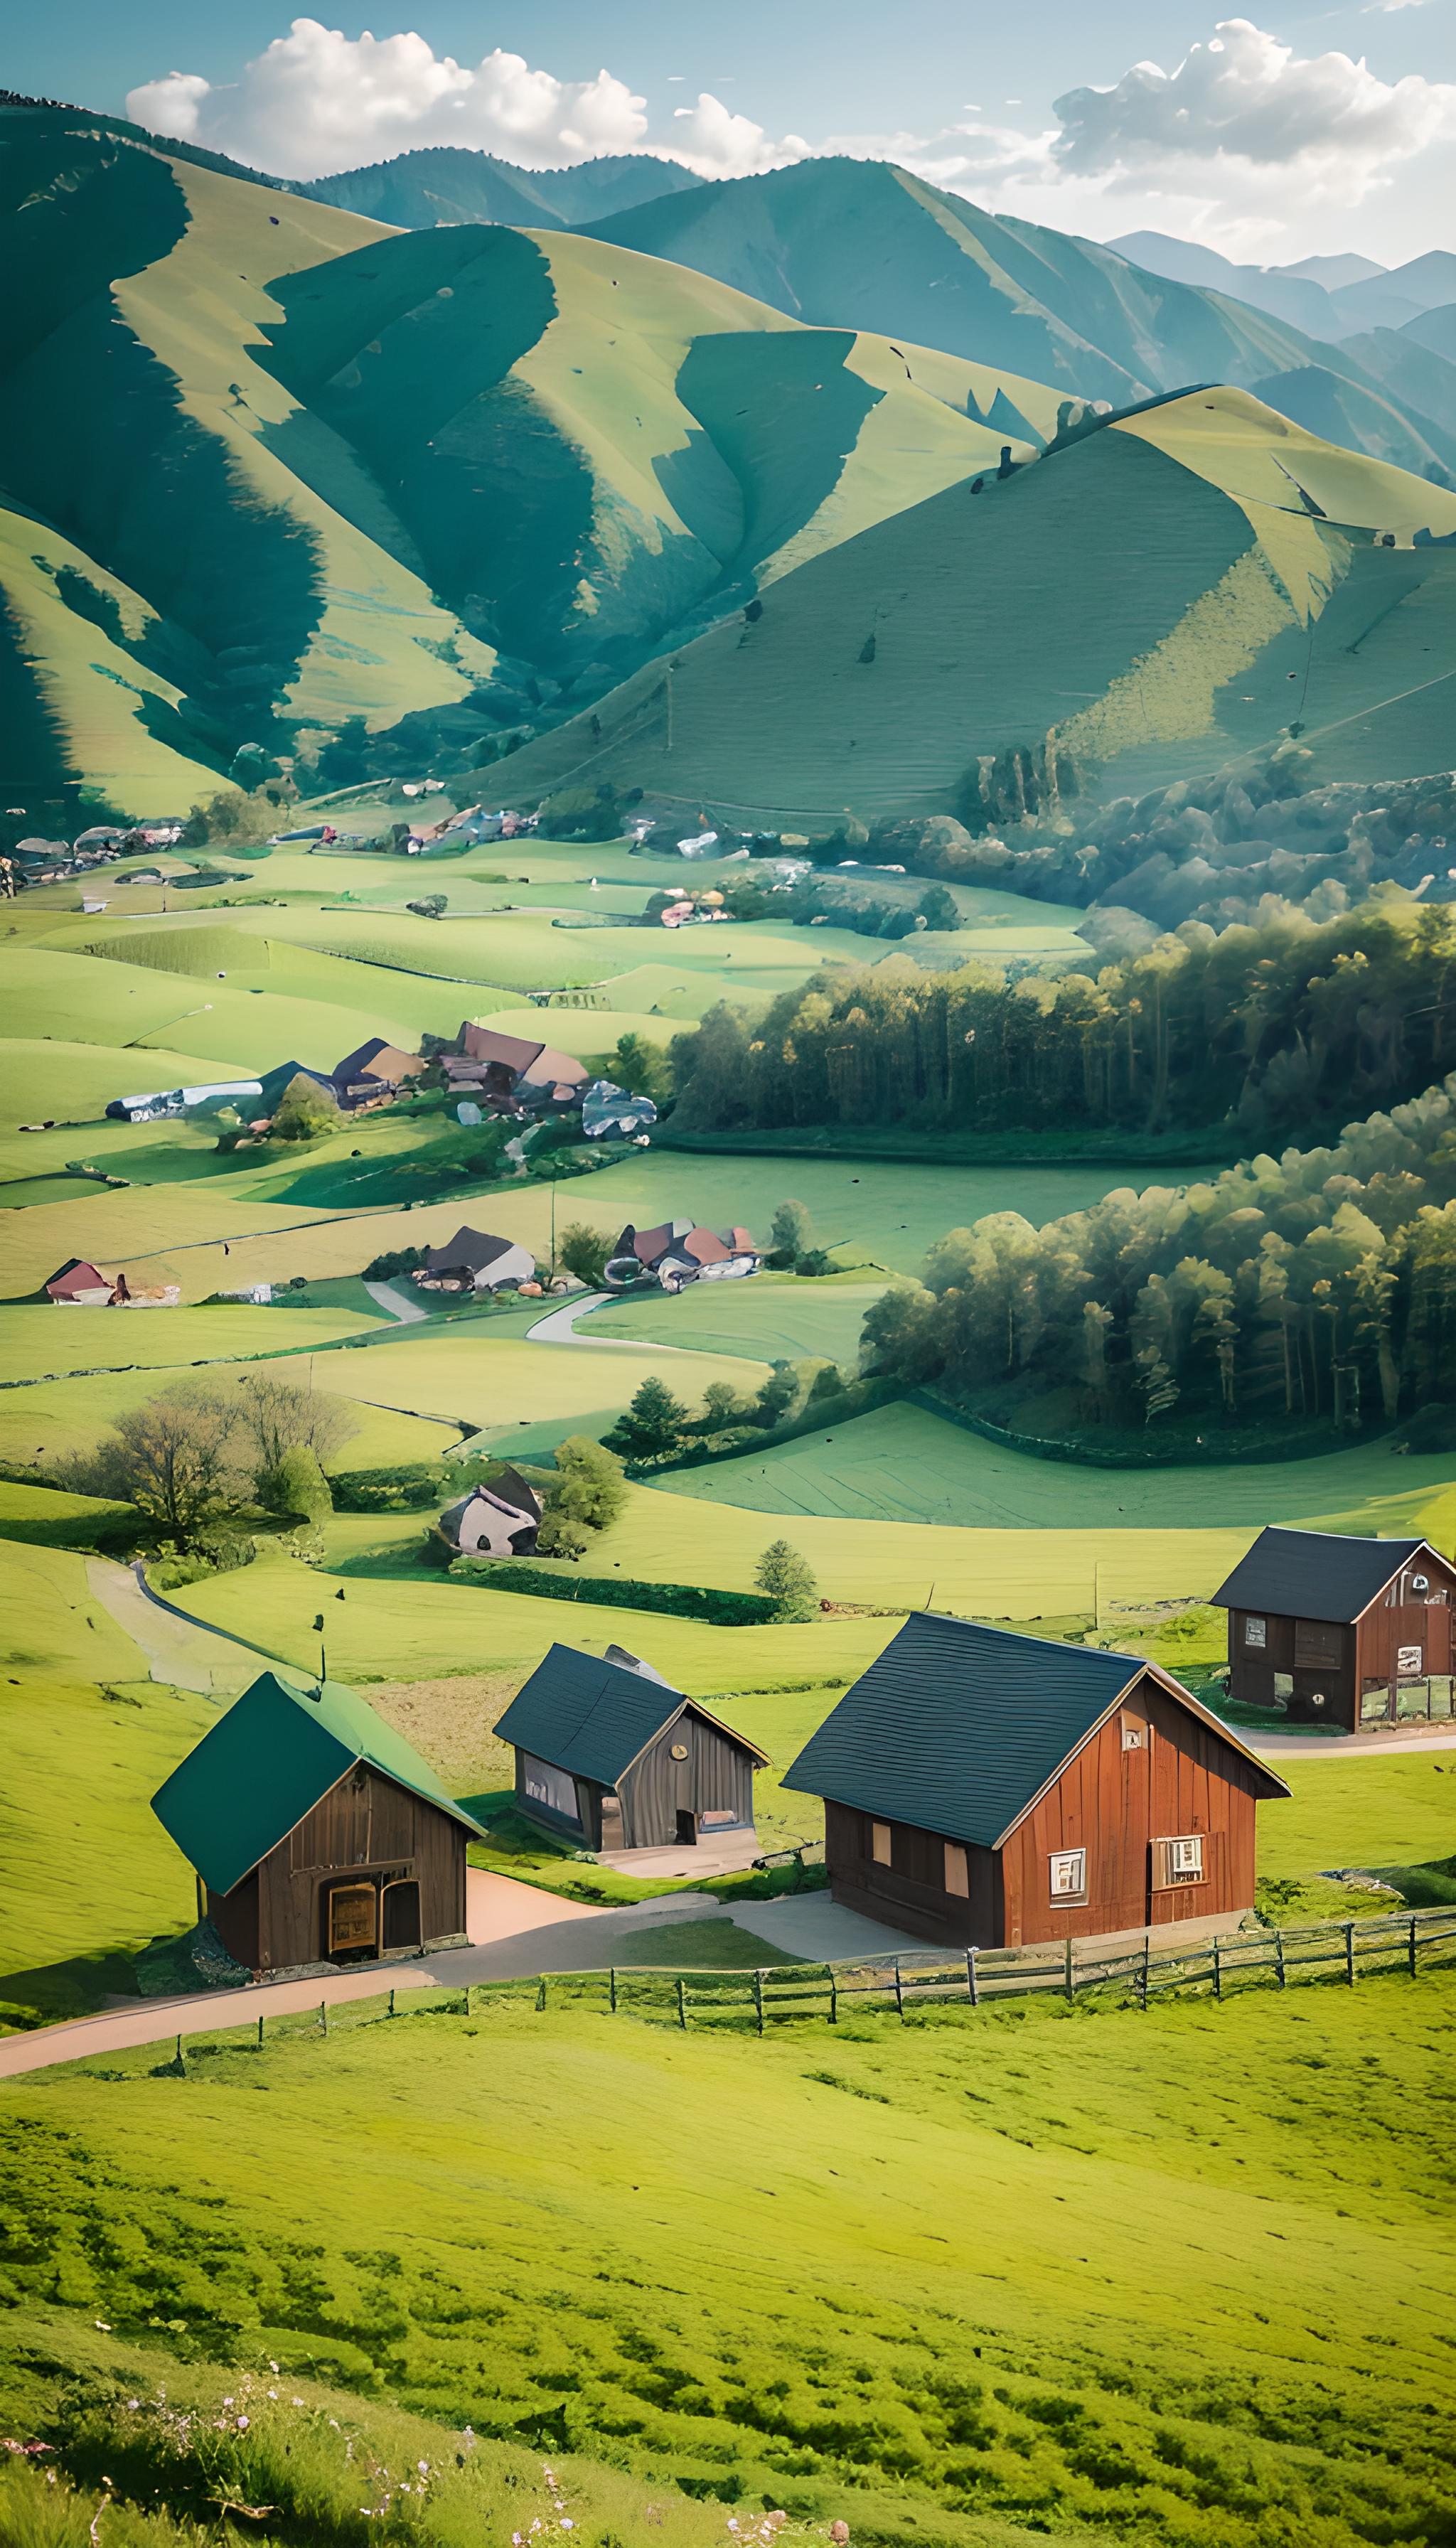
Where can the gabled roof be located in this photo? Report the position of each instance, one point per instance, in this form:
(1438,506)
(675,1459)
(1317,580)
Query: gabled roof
(269,1761)
(486,1044)
(77,1274)
(1316,1573)
(959,1728)
(475,1248)
(551,1067)
(593,1718)
(374,1060)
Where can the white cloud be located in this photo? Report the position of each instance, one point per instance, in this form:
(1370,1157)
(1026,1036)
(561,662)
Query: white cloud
(317,101)
(1245,104)
(718,143)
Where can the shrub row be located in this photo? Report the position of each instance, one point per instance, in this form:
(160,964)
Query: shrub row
(618,1591)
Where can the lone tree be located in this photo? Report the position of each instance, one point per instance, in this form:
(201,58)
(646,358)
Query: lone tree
(298,1488)
(583,1252)
(787,1579)
(654,1425)
(790,1231)
(590,1488)
(939,908)
(177,1458)
(275,1419)
(641,1067)
(305,1112)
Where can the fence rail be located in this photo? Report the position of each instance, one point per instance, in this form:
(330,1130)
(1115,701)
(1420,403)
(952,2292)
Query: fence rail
(752,2001)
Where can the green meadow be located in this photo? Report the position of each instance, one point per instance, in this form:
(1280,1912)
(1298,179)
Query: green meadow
(972,2278)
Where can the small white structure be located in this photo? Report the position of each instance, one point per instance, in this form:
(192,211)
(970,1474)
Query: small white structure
(499,1520)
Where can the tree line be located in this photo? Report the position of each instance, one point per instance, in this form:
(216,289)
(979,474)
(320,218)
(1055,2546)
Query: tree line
(1315,1288)
(1266,1028)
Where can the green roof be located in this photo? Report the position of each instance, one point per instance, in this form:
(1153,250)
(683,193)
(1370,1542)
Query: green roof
(269,1761)
(957,1728)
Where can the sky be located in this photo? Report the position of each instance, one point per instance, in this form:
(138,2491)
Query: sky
(1305,130)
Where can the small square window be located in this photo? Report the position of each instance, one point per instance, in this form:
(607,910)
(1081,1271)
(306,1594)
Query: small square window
(1185,1857)
(879,1843)
(1134,1734)
(1255,1632)
(958,1874)
(1068,1875)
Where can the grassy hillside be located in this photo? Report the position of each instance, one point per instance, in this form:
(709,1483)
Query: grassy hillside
(1132,2329)
(422,189)
(1156,597)
(849,243)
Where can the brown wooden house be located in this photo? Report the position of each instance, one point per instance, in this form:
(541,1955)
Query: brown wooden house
(987,1789)
(318,1835)
(609,1754)
(1340,1633)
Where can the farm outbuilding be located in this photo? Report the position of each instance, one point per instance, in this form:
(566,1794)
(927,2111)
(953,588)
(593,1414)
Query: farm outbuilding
(609,1754)
(319,1833)
(372,1072)
(80,1284)
(500,1519)
(983,1788)
(475,1260)
(1342,1632)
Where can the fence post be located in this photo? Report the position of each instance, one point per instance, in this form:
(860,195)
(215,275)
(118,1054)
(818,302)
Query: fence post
(611,1983)
(899,1988)
(682,2003)
(970,1981)
(758,2000)
(1218,1970)
(1147,1966)
(1281,1975)
(541,1994)
(1411,1949)
(324,2016)
(181,2057)
(465,2001)
(834,1994)
(392,2003)
(260,2029)
(1350,1953)
(1070,1984)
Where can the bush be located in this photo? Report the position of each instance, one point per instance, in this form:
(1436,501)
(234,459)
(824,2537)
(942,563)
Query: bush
(412,1487)
(591,1487)
(654,1425)
(560,1536)
(297,1486)
(581,814)
(305,1112)
(583,1252)
(399,1260)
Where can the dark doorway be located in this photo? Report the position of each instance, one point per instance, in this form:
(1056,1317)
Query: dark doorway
(687,1828)
(402,1914)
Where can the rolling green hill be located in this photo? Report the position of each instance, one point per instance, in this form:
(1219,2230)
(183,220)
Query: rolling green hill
(270,466)
(422,189)
(849,243)
(1174,589)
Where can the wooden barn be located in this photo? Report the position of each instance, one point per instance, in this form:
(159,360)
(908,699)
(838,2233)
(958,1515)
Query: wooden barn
(1345,1632)
(987,1789)
(609,1754)
(318,1835)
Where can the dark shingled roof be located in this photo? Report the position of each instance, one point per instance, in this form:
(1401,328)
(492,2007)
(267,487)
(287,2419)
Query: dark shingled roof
(956,1728)
(1315,1574)
(593,1718)
(269,1761)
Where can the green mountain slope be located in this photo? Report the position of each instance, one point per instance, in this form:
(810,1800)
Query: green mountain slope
(271,467)
(422,189)
(1174,589)
(844,242)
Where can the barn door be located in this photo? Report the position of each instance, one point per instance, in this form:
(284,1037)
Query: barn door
(684,1783)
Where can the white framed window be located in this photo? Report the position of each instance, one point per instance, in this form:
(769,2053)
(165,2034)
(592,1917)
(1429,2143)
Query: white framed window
(1068,1875)
(1255,1631)
(1134,1734)
(1178,1861)
(1409,1659)
(957,1873)
(879,1844)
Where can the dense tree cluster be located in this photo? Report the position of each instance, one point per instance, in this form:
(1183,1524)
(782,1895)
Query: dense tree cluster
(1319,1287)
(1274,1028)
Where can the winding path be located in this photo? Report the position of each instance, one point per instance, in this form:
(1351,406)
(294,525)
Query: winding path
(396,1305)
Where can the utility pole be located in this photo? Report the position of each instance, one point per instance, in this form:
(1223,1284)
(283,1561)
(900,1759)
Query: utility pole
(323,1649)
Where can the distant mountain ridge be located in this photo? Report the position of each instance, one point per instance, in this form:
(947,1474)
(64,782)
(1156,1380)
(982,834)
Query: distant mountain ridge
(420,189)
(847,242)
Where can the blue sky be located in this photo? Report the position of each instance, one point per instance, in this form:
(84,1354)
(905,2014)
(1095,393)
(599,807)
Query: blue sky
(1272,136)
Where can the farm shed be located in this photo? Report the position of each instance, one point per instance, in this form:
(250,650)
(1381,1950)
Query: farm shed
(475,1260)
(500,1519)
(78,1283)
(608,1754)
(318,1835)
(373,1070)
(982,1789)
(1342,1632)
(508,1065)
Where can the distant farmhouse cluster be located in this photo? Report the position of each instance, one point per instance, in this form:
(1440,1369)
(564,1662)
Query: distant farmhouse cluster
(677,1253)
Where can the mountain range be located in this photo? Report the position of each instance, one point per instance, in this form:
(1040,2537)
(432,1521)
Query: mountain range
(272,466)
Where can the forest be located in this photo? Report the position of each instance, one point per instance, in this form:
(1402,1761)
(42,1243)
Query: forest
(1292,1027)
(1300,1295)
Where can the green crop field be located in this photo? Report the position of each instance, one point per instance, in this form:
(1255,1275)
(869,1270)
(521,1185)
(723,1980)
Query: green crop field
(767,1317)
(993,2276)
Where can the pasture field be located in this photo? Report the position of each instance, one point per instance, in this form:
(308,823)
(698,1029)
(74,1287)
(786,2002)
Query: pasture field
(51,1417)
(907,1464)
(38,1342)
(1153,2245)
(769,1316)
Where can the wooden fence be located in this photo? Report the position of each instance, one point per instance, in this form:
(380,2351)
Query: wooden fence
(1415,1943)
